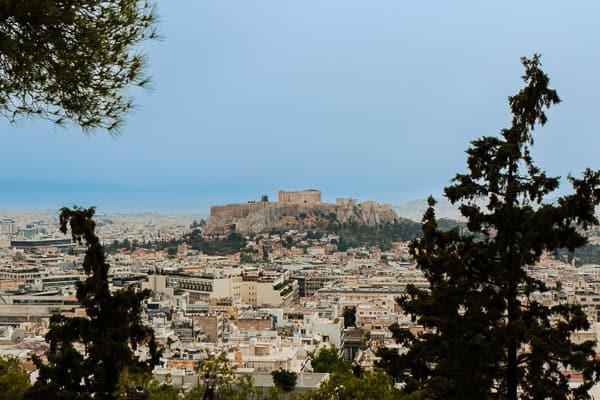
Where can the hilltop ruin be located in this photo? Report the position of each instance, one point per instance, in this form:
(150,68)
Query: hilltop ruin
(294,210)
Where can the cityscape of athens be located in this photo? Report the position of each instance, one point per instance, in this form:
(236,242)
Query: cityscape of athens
(314,200)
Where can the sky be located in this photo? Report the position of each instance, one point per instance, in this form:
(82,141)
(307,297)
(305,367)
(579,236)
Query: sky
(371,99)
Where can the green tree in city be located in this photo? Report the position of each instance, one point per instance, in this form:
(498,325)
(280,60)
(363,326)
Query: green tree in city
(71,60)
(342,244)
(369,386)
(285,380)
(246,258)
(486,334)
(329,360)
(14,381)
(108,336)
(142,386)
(219,382)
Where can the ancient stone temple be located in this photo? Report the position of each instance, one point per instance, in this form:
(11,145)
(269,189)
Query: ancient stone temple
(300,196)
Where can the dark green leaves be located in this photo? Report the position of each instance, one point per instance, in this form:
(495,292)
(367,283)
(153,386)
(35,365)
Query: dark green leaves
(110,333)
(72,60)
(486,335)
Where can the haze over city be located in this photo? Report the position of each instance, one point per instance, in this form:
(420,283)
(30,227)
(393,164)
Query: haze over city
(369,99)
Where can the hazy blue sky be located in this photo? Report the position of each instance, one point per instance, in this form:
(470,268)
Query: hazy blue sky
(372,99)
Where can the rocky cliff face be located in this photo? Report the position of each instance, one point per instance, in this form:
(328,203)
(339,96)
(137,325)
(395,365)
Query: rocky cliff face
(369,213)
(262,217)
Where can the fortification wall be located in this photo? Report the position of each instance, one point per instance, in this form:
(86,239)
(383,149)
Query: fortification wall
(234,211)
(227,217)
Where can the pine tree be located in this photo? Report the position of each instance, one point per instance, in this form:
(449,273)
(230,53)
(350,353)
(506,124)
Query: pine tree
(72,60)
(88,354)
(486,333)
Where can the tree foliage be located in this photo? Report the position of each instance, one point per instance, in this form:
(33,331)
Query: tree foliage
(369,386)
(14,381)
(88,354)
(355,234)
(329,360)
(285,380)
(487,335)
(588,254)
(72,60)
(230,244)
(143,386)
(217,381)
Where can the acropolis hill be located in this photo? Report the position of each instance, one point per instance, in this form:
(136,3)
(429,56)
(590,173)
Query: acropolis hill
(294,210)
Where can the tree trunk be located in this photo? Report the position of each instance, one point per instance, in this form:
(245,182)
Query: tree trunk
(511,348)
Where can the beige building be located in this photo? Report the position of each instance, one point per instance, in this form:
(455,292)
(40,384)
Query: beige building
(267,357)
(268,293)
(368,314)
(15,310)
(213,326)
(20,274)
(260,291)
